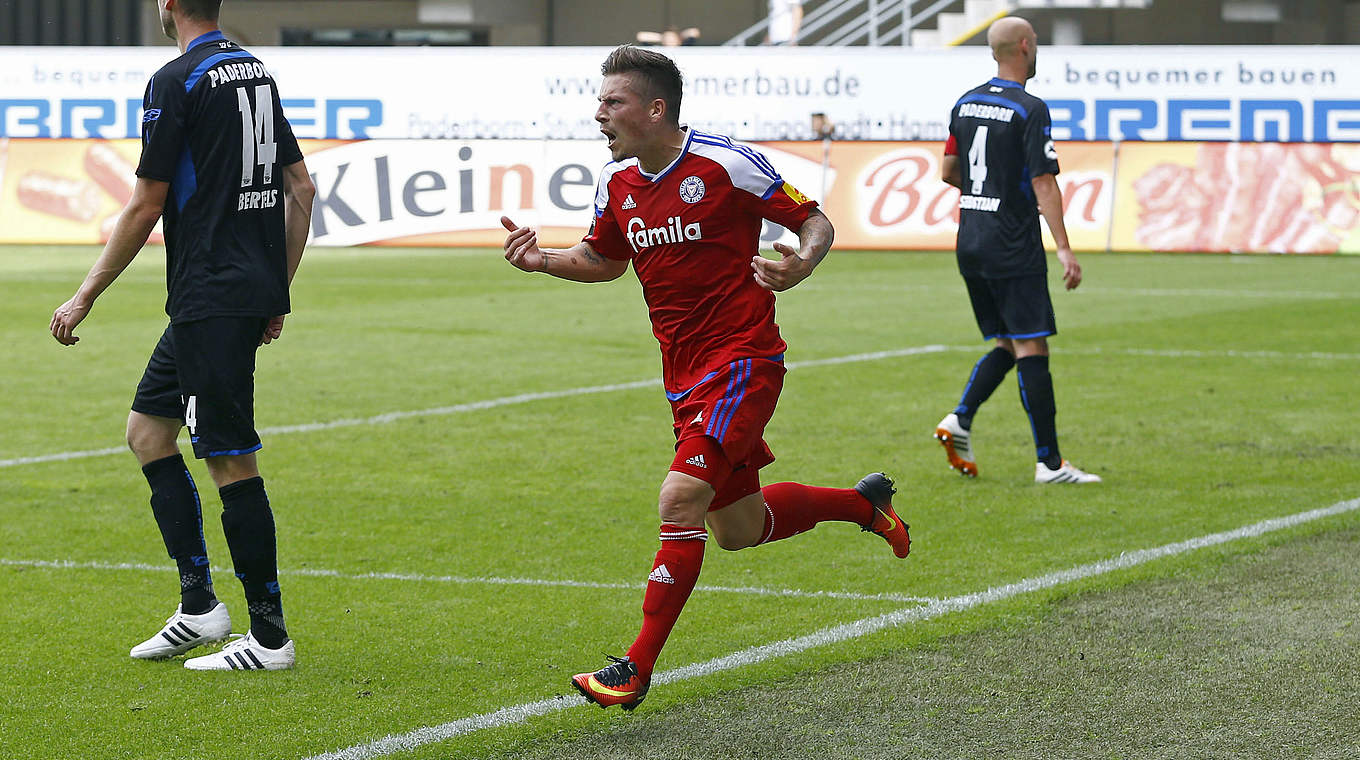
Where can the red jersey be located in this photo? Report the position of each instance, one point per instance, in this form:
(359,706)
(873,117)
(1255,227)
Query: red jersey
(690,231)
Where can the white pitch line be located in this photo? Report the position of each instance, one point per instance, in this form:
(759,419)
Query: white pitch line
(524,398)
(1227,353)
(836,634)
(63,564)
(1221,293)
(1320,295)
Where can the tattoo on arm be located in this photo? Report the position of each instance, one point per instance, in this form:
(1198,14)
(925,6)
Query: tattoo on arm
(583,255)
(590,254)
(815,236)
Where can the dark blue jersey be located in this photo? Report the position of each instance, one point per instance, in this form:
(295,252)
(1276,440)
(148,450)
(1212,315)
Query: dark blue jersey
(214,129)
(1003,141)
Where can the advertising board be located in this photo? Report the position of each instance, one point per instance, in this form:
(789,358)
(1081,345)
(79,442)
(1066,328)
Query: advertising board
(1138,196)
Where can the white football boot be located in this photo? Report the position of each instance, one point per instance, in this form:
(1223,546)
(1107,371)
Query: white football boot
(184,632)
(246,653)
(1068,473)
(957,447)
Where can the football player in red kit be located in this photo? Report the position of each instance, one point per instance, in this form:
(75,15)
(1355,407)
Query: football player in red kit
(685,207)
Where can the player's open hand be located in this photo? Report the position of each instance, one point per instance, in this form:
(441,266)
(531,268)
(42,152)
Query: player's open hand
(781,275)
(521,247)
(1071,269)
(273,330)
(65,319)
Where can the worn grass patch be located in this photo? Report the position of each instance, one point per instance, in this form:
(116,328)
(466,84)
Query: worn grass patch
(1243,654)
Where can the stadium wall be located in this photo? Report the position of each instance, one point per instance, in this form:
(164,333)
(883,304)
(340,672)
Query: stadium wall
(1131,196)
(1246,94)
(1190,148)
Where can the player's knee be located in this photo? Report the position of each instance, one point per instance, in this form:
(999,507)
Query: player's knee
(682,502)
(1030,347)
(226,470)
(677,512)
(148,440)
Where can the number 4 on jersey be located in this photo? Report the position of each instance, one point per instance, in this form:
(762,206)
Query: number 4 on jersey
(977,160)
(257,134)
(191,415)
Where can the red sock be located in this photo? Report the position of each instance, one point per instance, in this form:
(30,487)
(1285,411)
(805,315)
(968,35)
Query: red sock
(673,576)
(791,508)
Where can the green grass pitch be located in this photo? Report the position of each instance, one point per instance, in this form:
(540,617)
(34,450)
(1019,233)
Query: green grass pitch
(1211,392)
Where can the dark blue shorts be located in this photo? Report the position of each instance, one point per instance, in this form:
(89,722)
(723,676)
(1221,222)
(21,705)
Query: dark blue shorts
(1014,307)
(203,374)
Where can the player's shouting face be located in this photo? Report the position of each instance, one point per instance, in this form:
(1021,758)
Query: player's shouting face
(626,118)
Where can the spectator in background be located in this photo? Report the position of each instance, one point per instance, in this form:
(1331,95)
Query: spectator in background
(671,37)
(786,18)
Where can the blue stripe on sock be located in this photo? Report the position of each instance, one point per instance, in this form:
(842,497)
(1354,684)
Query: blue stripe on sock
(962,409)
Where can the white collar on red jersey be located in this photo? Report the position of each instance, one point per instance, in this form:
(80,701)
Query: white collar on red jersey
(684,150)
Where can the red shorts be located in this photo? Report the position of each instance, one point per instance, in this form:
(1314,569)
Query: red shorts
(719,424)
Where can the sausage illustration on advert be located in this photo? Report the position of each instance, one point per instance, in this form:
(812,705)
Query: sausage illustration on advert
(1300,198)
(72,199)
(81,200)
(111,171)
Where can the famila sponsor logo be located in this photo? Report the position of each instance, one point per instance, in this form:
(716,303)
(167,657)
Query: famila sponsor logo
(676,231)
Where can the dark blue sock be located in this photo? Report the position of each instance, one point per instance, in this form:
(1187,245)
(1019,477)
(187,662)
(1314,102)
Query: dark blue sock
(249,525)
(1036,394)
(988,373)
(174,502)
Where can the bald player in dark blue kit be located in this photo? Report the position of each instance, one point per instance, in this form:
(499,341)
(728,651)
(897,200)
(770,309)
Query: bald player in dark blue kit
(1007,178)
(220,164)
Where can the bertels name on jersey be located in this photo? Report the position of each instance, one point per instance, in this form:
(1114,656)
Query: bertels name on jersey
(676,231)
(257,199)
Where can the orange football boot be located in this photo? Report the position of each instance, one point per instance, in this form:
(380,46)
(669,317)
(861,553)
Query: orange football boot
(616,684)
(957,445)
(878,489)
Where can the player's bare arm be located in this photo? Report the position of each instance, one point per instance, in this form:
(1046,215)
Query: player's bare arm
(949,171)
(579,263)
(814,242)
(130,232)
(1049,196)
(298,192)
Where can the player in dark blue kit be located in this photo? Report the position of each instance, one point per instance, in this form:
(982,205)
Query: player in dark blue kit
(221,166)
(1009,165)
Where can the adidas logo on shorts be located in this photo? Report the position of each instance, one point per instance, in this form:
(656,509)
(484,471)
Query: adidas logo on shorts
(661,575)
(629,202)
(697,461)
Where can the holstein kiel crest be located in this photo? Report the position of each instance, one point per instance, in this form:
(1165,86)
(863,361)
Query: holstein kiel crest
(691,189)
